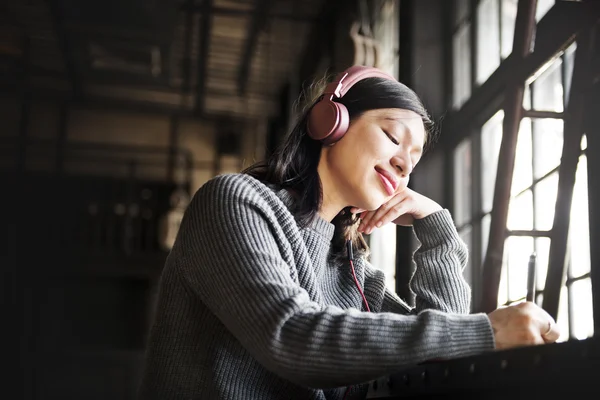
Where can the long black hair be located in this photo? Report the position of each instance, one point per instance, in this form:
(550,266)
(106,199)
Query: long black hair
(293,166)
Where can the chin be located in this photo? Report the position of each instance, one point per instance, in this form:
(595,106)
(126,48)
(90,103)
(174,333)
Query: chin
(374,202)
(370,195)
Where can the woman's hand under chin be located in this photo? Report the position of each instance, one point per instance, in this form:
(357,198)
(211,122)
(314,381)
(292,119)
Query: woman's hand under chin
(402,209)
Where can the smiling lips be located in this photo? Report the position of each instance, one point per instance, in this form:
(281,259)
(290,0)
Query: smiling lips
(390,183)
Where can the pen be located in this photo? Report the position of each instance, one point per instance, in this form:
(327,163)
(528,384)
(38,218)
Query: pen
(531,278)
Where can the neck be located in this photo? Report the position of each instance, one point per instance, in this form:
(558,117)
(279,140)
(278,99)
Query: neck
(332,203)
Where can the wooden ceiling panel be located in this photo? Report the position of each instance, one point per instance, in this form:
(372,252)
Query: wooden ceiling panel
(200,58)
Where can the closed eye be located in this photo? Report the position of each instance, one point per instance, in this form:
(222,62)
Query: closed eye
(391,138)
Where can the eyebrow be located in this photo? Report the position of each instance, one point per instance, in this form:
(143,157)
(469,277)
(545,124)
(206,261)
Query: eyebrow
(401,121)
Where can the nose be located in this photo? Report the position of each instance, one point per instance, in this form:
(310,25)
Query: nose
(403,164)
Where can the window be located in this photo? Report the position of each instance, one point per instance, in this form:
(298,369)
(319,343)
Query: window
(461,49)
(535,186)
(461,53)
(488,39)
(543,6)
(533,197)
(462,199)
(508,16)
(493,25)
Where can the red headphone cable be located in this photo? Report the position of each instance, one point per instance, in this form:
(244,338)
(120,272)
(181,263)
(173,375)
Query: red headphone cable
(351,260)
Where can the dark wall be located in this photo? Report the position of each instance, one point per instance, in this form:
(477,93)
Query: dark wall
(422,52)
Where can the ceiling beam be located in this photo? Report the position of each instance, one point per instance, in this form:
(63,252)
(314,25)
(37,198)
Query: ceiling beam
(222,11)
(65,46)
(204,43)
(146,100)
(260,16)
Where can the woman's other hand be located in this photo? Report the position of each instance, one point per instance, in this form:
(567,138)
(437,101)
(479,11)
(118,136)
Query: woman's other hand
(523,324)
(402,209)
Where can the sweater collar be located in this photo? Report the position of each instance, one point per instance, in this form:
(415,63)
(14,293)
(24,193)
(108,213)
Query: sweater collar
(320,226)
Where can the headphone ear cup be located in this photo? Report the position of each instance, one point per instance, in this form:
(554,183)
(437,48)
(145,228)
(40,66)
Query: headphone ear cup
(341,127)
(328,121)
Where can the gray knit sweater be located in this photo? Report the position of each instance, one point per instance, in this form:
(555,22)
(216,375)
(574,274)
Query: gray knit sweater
(250,306)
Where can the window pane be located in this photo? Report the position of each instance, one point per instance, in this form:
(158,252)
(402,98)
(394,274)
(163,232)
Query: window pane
(542,8)
(488,39)
(382,243)
(462,182)
(461,66)
(579,231)
(520,212)
(509,16)
(583,315)
(563,315)
(542,249)
(517,252)
(548,89)
(547,145)
(466,235)
(491,137)
(545,201)
(523,173)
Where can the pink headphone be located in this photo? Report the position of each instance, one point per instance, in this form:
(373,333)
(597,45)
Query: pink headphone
(328,120)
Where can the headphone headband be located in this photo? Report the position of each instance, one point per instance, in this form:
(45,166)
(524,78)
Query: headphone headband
(348,78)
(328,120)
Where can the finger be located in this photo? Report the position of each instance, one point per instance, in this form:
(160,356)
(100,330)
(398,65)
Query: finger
(365,220)
(370,219)
(376,215)
(394,213)
(356,210)
(388,209)
(551,332)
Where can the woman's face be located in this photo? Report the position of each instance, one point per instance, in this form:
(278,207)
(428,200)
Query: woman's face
(373,160)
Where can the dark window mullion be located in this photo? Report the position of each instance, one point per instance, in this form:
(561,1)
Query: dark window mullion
(569,301)
(473,27)
(546,175)
(476,226)
(538,180)
(571,281)
(563,72)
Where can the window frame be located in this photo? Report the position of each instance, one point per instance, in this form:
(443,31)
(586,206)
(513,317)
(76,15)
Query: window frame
(475,222)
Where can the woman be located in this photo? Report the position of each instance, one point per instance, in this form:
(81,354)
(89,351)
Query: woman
(267,292)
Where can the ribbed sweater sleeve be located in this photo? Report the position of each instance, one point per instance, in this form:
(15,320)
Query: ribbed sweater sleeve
(438,282)
(236,260)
